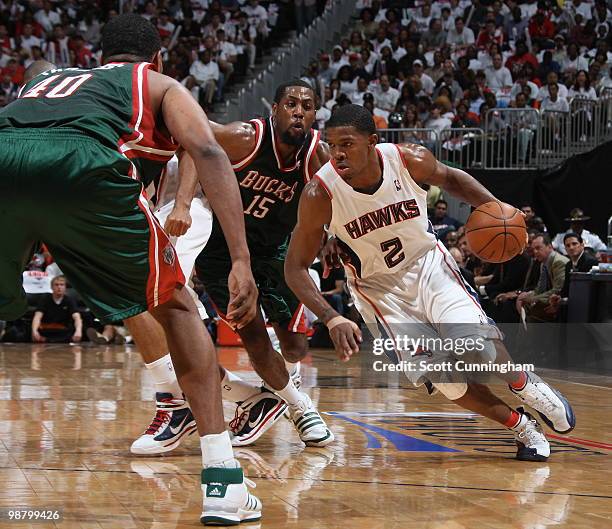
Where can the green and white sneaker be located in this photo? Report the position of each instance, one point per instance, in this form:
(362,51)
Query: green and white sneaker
(227,500)
(309,424)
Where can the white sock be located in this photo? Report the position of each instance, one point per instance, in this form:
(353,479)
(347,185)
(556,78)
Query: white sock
(164,376)
(521,424)
(217,450)
(291,394)
(292,368)
(234,389)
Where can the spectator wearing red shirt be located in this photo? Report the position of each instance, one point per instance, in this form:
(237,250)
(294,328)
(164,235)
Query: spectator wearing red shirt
(521,57)
(6,42)
(542,30)
(464,118)
(28,18)
(489,34)
(15,70)
(82,55)
(584,34)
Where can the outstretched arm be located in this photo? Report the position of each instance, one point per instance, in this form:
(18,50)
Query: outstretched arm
(425,169)
(314,212)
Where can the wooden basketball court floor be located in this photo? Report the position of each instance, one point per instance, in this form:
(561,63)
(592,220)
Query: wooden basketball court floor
(400,460)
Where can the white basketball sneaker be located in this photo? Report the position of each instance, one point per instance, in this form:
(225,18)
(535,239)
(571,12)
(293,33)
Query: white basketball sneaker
(254,416)
(530,439)
(310,426)
(172,422)
(551,405)
(227,500)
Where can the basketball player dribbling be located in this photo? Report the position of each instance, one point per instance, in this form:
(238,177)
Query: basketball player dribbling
(400,276)
(272,159)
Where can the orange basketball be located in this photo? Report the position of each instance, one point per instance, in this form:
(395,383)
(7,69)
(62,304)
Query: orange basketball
(496,232)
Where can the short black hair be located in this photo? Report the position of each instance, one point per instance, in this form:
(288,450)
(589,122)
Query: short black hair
(130,34)
(572,235)
(545,238)
(282,88)
(353,116)
(441,201)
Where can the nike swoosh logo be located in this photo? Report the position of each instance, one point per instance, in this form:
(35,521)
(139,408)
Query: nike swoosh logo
(252,424)
(180,426)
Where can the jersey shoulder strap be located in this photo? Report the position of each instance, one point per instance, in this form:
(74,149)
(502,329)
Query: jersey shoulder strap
(260,128)
(310,152)
(328,178)
(146,139)
(397,161)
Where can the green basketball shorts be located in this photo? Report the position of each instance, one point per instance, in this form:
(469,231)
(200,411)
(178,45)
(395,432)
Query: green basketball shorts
(67,190)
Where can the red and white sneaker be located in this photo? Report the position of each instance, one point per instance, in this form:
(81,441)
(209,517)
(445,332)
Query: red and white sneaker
(172,422)
(254,416)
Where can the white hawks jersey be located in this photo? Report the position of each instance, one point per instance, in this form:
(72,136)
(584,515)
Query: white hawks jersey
(383,232)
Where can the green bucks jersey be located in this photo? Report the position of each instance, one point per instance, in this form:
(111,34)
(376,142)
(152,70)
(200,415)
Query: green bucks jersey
(110,104)
(270,192)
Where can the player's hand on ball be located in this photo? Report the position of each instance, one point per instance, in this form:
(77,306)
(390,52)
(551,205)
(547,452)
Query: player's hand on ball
(346,336)
(178,222)
(242,306)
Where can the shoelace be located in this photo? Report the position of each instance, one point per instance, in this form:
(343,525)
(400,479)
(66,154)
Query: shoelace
(544,400)
(161,417)
(533,435)
(299,409)
(239,419)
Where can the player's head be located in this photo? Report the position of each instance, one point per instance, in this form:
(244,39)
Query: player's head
(351,135)
(130,38)
(36,68)
(293,111)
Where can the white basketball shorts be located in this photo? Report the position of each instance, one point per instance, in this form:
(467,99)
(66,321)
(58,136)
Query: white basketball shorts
(189,245)
(430,299)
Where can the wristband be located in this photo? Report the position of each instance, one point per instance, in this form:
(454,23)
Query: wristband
(335,321)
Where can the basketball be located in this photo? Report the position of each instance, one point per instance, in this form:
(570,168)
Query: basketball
(496,232)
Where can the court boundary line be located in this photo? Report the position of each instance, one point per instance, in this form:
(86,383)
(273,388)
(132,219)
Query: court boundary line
(578,383)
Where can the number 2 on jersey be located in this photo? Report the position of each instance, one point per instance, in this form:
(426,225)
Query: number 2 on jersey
(395,255)
(259,206)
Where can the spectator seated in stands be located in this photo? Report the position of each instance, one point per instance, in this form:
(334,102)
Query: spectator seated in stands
(460,260)
(577,219)
(532,221)
(553,102)
(57,319)
(385,97)
(67,33)
(552,277)
(440,221)
(500,289)
(579,261)
(203,78)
